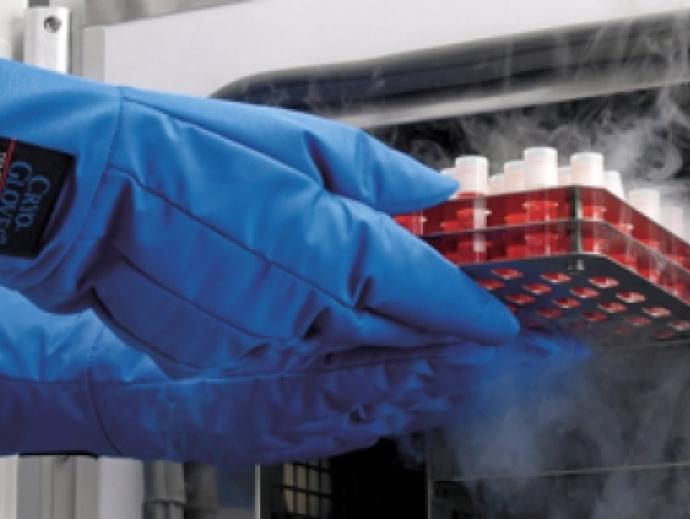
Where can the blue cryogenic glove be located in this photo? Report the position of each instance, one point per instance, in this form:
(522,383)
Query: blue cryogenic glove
(68,383)
(214,233)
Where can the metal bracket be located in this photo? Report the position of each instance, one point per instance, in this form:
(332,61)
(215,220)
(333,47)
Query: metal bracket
(46,38)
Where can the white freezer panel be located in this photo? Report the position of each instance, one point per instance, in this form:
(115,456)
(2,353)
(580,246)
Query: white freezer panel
(199,51)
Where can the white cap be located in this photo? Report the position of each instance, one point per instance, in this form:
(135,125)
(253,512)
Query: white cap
(564,177)
(541,167)
(614,183)
(672,219)
(587,169)
(647,201)
(513,176)
(5,49)
(496,183)
(472,171)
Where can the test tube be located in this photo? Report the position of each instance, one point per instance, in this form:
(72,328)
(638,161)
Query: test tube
(587,169)
(472,171)
(541,167)
(624,253)
(497,187)
(496,184)
(514,176)
(672,220)
(564,176)
(648,202)
(614,183)
(514,182)
(541,172)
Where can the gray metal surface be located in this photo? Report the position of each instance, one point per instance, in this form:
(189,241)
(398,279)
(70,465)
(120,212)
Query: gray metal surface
(57,487)
(486,101)
(46,38)
(8,486)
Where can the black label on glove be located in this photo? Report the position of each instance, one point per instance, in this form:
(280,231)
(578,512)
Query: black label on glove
(30,182)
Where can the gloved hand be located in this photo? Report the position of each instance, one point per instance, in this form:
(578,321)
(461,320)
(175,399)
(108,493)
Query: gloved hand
(68,383)
(213,233)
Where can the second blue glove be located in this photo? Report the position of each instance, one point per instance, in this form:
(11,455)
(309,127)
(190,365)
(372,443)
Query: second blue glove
(69,384)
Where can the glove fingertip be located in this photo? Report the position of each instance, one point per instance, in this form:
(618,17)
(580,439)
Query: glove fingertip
(506,327)
(426,189)
(439,187)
